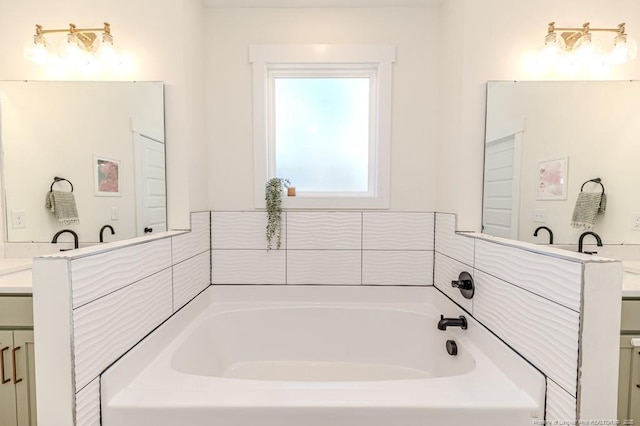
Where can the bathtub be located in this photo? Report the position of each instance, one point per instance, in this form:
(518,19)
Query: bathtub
(320,355)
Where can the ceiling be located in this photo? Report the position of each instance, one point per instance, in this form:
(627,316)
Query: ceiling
(320,3)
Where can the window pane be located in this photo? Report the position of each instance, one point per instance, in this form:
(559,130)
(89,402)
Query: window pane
(322,133)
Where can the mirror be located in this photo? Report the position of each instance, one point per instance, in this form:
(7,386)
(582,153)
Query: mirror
(106,139)
(575,130)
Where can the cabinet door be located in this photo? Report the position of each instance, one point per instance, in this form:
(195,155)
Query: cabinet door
(634,389)
(8,415)
(26,377)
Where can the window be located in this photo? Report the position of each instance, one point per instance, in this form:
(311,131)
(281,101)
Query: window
(322,120)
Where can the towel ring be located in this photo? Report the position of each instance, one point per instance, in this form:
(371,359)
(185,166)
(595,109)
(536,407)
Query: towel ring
(59,179)
(596,180)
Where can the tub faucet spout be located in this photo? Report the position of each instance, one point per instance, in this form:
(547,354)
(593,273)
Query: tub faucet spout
(461,322)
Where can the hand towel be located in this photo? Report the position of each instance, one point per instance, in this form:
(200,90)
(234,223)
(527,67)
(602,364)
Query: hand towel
(588,205)
(63,206)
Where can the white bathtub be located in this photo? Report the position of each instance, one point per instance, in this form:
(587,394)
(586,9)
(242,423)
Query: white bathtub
(316,355)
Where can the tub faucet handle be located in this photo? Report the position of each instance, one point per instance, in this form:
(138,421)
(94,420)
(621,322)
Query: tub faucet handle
(464,283)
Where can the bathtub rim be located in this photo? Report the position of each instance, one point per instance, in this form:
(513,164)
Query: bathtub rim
(517,370)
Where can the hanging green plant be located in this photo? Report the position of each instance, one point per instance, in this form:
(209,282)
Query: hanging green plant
(273,198)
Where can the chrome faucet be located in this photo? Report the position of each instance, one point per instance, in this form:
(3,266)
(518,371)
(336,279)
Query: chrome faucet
(584,234)
(461,322)
(535,233)
(102,232)
(75,237)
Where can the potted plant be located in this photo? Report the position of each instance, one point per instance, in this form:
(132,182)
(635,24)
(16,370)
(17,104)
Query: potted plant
(273,198)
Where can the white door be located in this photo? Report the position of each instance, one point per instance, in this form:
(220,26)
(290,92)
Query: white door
(151,209)
(501,204)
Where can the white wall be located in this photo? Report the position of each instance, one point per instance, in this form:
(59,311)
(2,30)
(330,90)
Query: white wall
(162,36)
(415,32)
(491,40)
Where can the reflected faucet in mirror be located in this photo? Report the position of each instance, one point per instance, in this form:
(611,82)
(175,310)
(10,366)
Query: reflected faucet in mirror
(75,237)
(580,240)
(535,233)
(109,227)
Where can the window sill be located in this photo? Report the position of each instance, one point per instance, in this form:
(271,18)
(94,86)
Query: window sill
(332,203)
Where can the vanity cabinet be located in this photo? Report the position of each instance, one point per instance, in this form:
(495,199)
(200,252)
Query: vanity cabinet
(17,362)
(629,376)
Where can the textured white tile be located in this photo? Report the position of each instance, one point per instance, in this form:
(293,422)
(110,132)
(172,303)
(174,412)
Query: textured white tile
(195,242)
(397,231)
(324,230)
(248,266)
(242,230)
(88,404)
(556,279)
(397,267)
(100,274)
(542,331)
(448,242)
(447,270)
(560,405)
(324,267)
(190,278)
(106,328)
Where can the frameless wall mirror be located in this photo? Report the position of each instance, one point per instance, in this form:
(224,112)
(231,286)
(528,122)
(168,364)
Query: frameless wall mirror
(544,140)
(106,139)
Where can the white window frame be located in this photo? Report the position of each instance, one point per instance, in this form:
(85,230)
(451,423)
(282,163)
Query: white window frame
(371,61)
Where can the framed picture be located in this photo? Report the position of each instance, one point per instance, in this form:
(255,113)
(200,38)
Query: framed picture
(106,177)
(552,179)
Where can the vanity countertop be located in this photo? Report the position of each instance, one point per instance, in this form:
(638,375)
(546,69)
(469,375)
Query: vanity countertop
(631,279)
(16,283)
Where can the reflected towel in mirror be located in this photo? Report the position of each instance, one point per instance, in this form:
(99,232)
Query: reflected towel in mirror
(588,205)
(63,206)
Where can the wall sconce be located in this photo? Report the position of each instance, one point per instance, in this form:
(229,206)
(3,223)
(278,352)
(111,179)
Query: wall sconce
(79,47)
(576,46)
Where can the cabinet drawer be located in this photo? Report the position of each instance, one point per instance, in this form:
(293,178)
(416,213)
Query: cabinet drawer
(630,315)
(16,311)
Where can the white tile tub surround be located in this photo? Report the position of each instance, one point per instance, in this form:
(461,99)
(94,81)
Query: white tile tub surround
(88,404)
(142,283)
(190,278)
(560,405)
(447,242)
(529,323)
(324,230)
(397,231)
(332,267)
(546,276)
(447,270)
(324,247)
(192,243)
(397,267)
(248,266)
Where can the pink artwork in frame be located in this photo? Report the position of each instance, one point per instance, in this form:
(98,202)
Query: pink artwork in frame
(552,179)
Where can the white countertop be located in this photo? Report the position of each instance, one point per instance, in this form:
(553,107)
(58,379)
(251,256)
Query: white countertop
(16,283)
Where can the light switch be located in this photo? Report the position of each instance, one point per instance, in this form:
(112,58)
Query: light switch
(540,215)
(115,213)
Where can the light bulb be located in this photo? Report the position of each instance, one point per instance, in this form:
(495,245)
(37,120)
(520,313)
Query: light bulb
(106,51)
(625,49)
(584,51)
(37,50)
(552,50)
(72,50)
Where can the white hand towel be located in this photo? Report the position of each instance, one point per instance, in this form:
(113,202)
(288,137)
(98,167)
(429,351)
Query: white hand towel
(587,207)
(63,206)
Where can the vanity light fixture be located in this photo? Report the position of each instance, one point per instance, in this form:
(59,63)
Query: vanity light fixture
(80,46)
(577,46)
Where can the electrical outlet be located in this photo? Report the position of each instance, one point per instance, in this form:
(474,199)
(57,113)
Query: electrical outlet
(635,221)
(540,215)
(115,213)
(18,219)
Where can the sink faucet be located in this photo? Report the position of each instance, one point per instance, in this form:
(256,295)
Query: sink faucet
(584,234)
(75,237)
(102,231)
(535,233)
(461,322)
